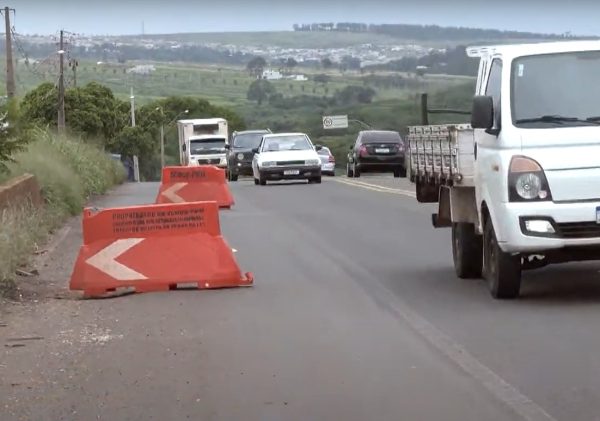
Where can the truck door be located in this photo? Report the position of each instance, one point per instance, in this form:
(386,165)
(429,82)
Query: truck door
(488,174)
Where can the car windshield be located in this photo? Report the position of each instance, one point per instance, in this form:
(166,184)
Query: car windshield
(556,90)
(247,140)
(286,143)
(324,151)
(207,145)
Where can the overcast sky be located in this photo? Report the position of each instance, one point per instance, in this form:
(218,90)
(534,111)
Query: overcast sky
(581,17)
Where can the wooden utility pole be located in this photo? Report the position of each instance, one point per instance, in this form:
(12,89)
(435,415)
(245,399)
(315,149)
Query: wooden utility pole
(61,84)
(10,70)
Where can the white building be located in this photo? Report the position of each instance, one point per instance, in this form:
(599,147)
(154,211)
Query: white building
(272,75)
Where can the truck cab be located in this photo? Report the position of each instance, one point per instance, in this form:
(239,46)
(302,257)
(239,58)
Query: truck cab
(520,185)
(203,142)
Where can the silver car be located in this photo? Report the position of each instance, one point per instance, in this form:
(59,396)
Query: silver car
(327,161)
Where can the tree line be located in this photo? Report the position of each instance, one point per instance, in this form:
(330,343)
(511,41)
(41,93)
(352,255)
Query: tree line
(425,32)
(94,113)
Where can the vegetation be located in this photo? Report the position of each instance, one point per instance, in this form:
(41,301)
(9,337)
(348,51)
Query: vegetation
(94,113)
(69,171)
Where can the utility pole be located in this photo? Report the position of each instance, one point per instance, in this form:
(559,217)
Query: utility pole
(10,70)
(74,63)
(132,98)
(136,162)
(162,145)
(61,84)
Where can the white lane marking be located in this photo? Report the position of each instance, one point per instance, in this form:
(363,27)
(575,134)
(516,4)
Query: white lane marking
(375,187)
(456,353)
(171,193)
(105,261)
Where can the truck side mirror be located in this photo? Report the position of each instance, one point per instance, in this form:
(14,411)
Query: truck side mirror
(227,146)
(255,150)
(482,113)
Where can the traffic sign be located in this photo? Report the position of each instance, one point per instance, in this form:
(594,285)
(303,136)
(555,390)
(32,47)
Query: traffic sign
(335,122)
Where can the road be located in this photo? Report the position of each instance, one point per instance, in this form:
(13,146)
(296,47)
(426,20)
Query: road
(355,315)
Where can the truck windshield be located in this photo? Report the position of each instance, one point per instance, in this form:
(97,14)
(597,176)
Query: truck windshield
(207,145)
(556,90)
(247,140)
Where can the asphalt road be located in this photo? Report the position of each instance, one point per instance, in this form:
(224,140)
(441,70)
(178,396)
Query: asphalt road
(355,315)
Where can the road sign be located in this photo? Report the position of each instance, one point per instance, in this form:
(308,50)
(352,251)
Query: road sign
(335,122)
(194,184)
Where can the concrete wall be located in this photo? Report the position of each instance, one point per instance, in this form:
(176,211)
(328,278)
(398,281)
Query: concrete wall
(20,190)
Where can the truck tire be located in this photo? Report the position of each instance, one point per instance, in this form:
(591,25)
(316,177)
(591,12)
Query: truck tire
(467,251)
(233,177)
(501,270)
(349,172)
(426,193)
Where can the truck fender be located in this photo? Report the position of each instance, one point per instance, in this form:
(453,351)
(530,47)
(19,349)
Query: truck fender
(456,205)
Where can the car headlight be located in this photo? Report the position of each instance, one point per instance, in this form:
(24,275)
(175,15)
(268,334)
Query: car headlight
(313,162)
(527,181)
(267,164)
(240,156)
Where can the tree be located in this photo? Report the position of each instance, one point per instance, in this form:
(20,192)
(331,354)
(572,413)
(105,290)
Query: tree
(14,133)
(256,66)
(260,90)
(326,63)
(291,63)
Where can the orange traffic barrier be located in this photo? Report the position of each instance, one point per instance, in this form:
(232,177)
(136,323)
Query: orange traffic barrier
(154,248)
(194,184)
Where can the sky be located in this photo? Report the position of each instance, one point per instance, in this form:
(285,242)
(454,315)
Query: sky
(99,17)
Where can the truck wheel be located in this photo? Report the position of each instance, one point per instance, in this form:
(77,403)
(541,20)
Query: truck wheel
(467,251)
(501,270)
(426,193)
(233,177)
(349,172)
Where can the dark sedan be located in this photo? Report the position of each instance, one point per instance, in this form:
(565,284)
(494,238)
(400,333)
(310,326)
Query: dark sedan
(377,151)
(239,159)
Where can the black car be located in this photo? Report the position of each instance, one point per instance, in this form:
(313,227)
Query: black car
(239,157)
(377,151)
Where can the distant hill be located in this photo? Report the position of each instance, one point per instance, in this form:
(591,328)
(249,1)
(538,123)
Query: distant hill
(427,32)
(339,35)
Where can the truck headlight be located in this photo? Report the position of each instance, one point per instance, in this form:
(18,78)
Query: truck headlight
(313,162)
(527,181)
(240,156)
(267,164)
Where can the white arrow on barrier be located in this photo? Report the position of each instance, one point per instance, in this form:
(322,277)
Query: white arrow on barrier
(105,262)
(171,193)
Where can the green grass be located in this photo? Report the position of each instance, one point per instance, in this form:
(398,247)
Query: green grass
(225,86)
(69,171)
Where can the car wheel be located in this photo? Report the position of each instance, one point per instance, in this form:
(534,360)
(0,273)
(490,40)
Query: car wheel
(467,251)
(262,181)
(355,170)
(349,172)
(233,177)
(256,182)
(316,180)
(396,173)
(403,172)
(501,270)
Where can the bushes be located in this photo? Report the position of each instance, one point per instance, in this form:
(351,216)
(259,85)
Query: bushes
(68,170)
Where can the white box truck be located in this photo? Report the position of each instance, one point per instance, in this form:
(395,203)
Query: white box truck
(203,141)
(520,185)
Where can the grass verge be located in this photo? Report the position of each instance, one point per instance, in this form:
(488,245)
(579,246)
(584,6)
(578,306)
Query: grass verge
(69,171)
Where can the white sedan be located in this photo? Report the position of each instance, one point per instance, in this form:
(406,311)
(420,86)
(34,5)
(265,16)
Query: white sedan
(286,156)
